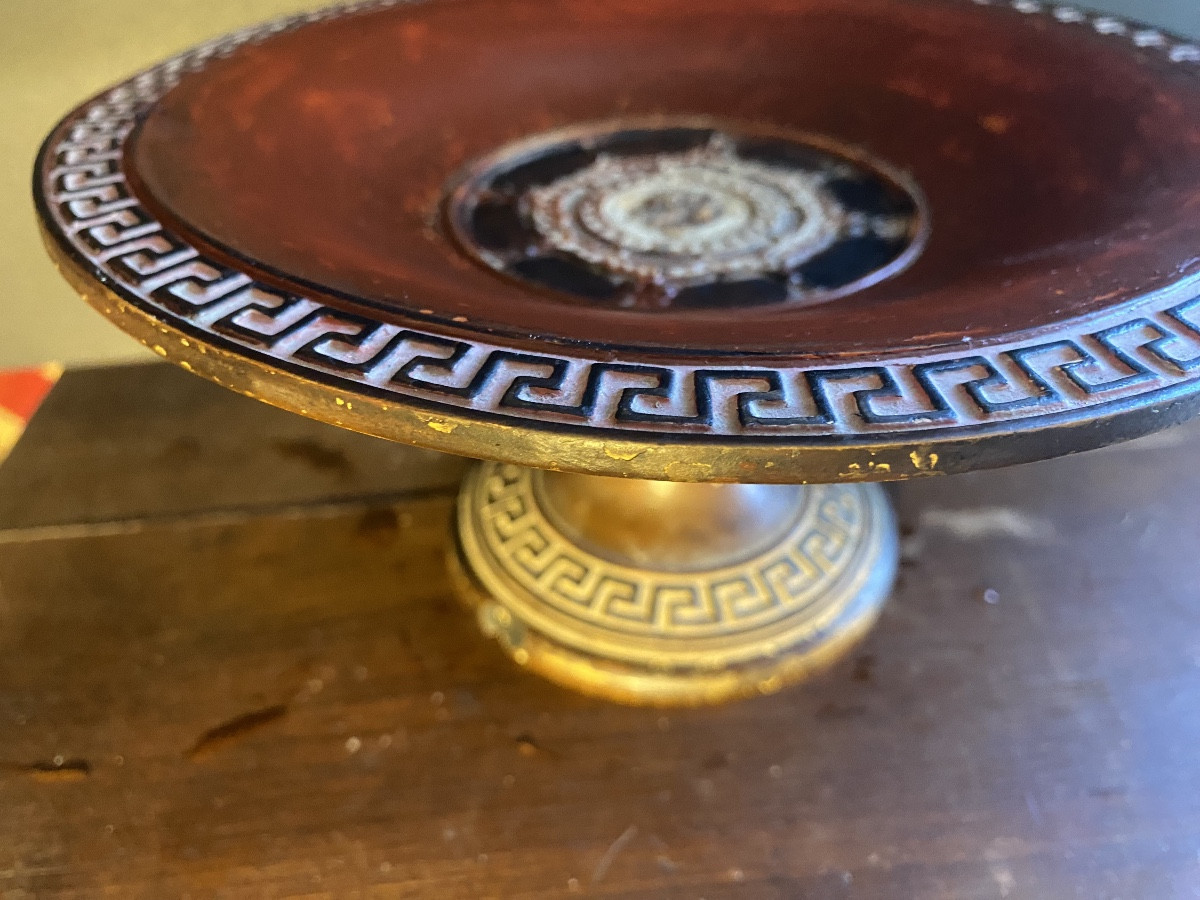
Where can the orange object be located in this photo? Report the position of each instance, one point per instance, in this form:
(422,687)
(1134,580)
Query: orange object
(21,393)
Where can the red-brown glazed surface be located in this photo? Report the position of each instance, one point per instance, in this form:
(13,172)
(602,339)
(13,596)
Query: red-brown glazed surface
(1061,166)
(270,211)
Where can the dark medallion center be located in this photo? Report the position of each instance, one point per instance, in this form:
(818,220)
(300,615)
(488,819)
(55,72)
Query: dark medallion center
(687,216)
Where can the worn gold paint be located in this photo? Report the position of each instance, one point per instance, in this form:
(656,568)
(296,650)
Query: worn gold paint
(733,459)
(924,460)
(612,532)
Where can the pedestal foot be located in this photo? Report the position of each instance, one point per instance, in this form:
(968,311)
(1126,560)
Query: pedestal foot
(670,594)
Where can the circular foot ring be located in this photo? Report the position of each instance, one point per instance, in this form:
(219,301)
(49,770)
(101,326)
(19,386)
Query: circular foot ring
(645,624)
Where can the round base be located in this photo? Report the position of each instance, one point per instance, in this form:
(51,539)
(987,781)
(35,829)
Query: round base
(670,594)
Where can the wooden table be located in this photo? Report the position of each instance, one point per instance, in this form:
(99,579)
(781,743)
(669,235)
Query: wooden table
(230,666)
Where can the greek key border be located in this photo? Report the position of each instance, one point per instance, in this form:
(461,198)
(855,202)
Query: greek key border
(752,596)
(83,188)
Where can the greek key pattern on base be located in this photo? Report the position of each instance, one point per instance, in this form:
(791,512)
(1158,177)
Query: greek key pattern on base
(83,187)
(803,573)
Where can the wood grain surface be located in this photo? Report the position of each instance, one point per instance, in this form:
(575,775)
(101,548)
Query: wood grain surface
(230,667)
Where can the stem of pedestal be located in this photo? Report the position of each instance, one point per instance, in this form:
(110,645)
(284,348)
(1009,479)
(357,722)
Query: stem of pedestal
(669,594)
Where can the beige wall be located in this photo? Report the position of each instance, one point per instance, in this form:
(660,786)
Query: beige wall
(54,53)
